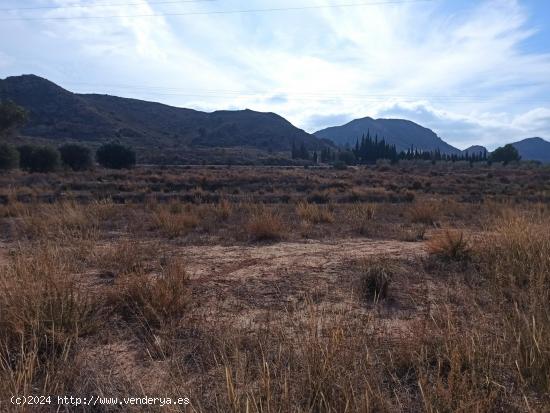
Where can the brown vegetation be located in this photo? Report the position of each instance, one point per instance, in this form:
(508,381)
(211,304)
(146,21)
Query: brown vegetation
(264,224)
(155,284)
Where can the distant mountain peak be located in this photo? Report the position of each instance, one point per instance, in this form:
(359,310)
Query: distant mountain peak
(402,133)
(534,149)
(534,140)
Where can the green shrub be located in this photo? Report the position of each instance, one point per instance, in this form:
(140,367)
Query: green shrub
(11,116)
(25,155)
(505,154)
(9,157)
(76,157)
(116,156)
(340,166)
(39,158)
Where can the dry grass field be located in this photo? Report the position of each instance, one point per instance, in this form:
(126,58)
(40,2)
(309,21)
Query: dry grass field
(400,288)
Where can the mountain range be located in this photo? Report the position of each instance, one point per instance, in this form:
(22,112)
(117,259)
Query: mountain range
(57,115)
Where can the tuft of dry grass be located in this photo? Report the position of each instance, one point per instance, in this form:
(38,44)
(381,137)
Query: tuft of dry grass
(123,257)
(458,366)
(152,301)
(265,224)
(516,261)
(374,278)
(63,220)
(450,245)
(175,220)
(361,215)
(43,311)
(424,213)
(413,233)
(309,365)
(315,214)
(222,210)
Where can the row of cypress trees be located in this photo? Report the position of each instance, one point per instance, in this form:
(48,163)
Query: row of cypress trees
(369,150)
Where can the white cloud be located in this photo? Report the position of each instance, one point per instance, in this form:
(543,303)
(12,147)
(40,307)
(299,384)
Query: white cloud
(5,60)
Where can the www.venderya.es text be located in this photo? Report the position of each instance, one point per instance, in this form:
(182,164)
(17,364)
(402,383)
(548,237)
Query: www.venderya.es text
(98,401)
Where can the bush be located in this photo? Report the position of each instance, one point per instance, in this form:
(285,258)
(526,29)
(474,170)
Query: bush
(265,225)
(340,166)
(375,278)
(76,157)
(173,222)
(116,156)
(424,213)
(361,215)
(347,157)
(25,154)
(9,157)
(153,302)
(11,116)
(450,246)
(39,158)
(505,154)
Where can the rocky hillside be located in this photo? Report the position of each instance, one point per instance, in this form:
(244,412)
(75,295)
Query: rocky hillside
(59,115)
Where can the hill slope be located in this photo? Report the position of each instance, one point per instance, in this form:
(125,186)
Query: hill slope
(402,133)
(534,149)
(57,114)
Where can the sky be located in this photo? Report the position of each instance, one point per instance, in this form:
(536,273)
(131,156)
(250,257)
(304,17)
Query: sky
(476,72)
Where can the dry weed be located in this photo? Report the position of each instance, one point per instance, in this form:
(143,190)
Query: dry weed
(450,245)
(314,214)
(43,311)
(265,224)
(175,220)
(152,301)
(424,213)
(361,215)
(122,257)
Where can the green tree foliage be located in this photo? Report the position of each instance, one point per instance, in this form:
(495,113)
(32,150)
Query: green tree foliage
(76,157)
(327,155)
(436,156)
(25,156)
(11,116)
(347,157)
(39,158)
(340,165)
(369,150)
(116,156)
(9,157)
(300,152)
(505,154)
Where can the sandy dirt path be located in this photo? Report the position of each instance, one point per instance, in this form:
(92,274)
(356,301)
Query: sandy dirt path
(246,261)
(253,280)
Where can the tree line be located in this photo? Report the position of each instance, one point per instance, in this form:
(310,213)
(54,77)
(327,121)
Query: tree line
(368,150)
(113,155)
(45,158)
